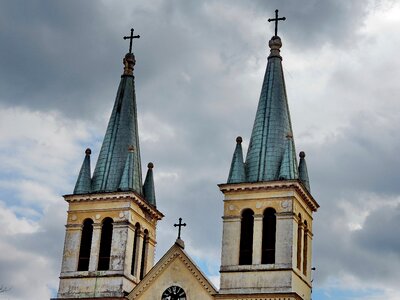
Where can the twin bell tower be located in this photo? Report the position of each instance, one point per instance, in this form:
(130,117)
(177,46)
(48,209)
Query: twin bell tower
(267,219)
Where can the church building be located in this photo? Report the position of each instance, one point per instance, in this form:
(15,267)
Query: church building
(267,229)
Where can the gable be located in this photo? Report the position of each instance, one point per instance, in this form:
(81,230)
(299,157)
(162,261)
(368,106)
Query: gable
(174,269)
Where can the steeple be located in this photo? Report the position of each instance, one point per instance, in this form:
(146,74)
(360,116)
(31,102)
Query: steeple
(271,153)
(112,218)
(122,132)
(83,184)
(267,217)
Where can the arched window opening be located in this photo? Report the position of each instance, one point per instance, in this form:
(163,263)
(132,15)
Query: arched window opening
(268,237)
(135,255)
(105,245)
(305,246)
(86,244)
(299,240)
(246,238)
(144,254)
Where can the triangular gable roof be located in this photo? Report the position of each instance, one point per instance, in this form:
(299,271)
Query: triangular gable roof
(174,253)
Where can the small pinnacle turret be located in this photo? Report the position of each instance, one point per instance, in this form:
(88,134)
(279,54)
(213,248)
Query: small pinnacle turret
(303,173)
(148,186)
(83,184)
(237,172)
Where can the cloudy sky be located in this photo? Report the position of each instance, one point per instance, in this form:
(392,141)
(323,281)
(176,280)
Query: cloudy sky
(200,66)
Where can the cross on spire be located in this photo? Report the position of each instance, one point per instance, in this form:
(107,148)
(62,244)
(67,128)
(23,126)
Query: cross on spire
(180,225)
(276,20)
(131,37)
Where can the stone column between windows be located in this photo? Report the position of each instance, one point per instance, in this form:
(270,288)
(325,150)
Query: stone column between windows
(309,253)
(118,245)
(95,248)
(257,239)
(139,250)
(298,253)
(284,239)
(151,248)
(72,242)
(230,241)
(129,250)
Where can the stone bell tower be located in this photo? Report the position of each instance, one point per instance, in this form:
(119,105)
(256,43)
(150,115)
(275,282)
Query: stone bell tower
(268,207)
(111,224)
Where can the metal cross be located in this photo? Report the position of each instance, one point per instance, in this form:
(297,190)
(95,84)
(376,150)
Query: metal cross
(131,37)
(180,225)
(276,21)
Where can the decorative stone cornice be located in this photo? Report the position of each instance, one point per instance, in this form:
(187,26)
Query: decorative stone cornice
(117,196)
(270,186)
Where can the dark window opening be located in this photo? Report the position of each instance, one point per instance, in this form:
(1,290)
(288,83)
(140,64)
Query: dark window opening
(144,252)
(86,244)
(246,238)
(299,239)
(135,246)
(105,245)
(305,246)
(268,237)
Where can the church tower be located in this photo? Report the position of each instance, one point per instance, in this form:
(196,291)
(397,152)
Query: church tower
(111,226)
(268,207)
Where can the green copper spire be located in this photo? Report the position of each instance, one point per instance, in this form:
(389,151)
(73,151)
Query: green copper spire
(236,173)
(83,184)
(271,154)
(148,187)
(303,173)
(122,132)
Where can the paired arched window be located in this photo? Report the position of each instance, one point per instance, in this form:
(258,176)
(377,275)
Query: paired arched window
(305,248)
(144,254)
(105,244)
(135,254)
(268,236)
(299,241)
(86,244)
(246,237)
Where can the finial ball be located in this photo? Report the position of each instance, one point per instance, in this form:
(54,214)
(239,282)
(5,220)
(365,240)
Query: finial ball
(88,151)
(239,140)
(150,165)
(275,43)
(302,154)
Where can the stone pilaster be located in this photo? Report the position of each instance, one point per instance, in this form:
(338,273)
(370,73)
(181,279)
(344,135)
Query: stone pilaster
(230,241)
(71,248)
(118,246)
(284,239)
